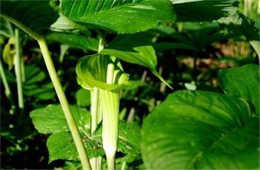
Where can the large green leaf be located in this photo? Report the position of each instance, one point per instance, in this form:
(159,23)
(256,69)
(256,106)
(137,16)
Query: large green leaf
(51,119)
(201,130)
(134,49)
(60,146)
(118,15)
(242,82)
(74,40)
(203,10)
(34,15)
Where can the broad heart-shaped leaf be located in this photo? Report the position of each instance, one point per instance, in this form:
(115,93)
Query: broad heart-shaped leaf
(201,130)
(60,146)
(118,15)
(92,72)
(242,82)
(51,119)
(135,49)
(74,40)
(34,15)
(203,10)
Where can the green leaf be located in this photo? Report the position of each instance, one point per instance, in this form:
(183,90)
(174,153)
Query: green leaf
(92,72)
(74,40)
(35,86)
(121,16)
(134,49)
(60,146)
(34,15)
(6,29)
(203,10)
(51,119)
(242,82)
(200,130)
(40,92)
(33,74)
(129,141)
(83,97)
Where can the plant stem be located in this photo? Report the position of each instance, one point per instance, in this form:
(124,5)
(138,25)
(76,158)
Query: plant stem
(123,165)
(18,72)
(7,88)
(64,104)
(96,114)
(96,118)
(94,109)
(6,85)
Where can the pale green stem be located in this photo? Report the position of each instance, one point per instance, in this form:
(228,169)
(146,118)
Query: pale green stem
(18,73)
(59,91)
(6,85)
(64,104)
(123,166)
(94,109)
(96,115)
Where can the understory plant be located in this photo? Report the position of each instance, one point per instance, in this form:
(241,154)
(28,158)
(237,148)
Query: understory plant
(191,129)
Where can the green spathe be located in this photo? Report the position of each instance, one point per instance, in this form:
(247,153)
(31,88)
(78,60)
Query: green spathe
(92,72)
(104,73)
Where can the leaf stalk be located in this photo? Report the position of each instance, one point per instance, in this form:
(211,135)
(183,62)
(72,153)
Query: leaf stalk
(64,104)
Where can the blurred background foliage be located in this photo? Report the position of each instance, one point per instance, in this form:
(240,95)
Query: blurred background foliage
(189,56)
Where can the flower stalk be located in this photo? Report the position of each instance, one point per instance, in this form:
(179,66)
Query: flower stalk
(18,71)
